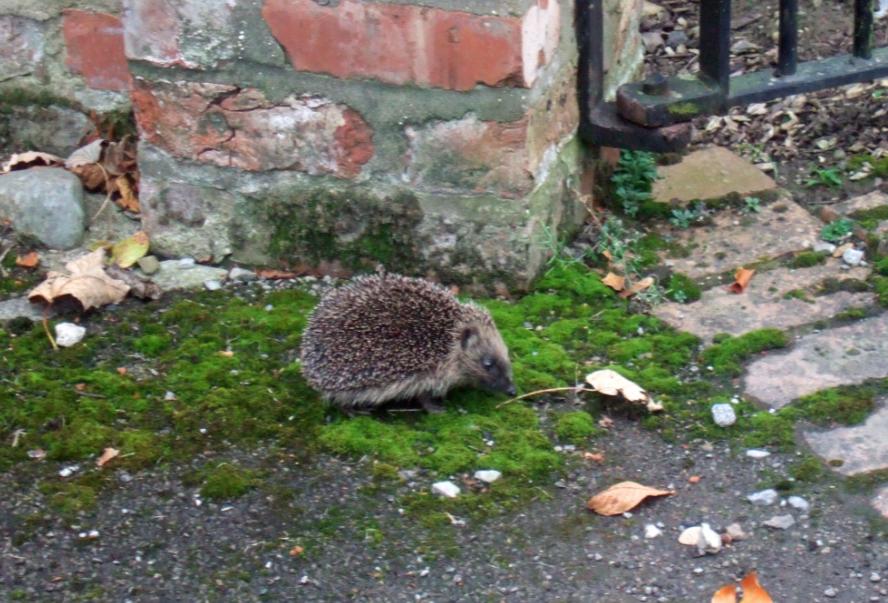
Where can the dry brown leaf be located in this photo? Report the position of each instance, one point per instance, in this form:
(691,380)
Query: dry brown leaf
(753,592)
(128,199)
(614,281)
(623,497)
(694,479)
(107,455)
(272,274)
(29,260)
(726,594)
(741,280)
(28,159)
(296,551)
(607,254)
(611,383)
(92,177)
(87,283)
(121,370)
(90,153)
(638,287)
(595,457)
(841,249)
(226,353)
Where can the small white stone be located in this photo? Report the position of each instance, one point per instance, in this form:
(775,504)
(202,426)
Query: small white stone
(488,476)
(723,415)
(797,502)
(763,497)
(755,453)
(824,246)
(651,531)
(448,489)
(710,542)
(852,256)
(735,531)
(875,577)
(186,263)
(780,522)
(169,396)
(69,470)
(242,274)
(212,285)
(830,592)
(68,334)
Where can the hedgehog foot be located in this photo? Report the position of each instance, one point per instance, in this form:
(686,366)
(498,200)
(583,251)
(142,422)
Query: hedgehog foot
(432,404)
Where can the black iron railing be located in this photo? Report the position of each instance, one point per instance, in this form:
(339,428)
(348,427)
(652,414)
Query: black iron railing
(652,114)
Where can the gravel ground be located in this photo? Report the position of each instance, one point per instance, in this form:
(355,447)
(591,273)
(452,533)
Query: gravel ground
(157,541)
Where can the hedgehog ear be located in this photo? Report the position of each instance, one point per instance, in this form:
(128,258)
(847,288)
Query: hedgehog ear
(468,337)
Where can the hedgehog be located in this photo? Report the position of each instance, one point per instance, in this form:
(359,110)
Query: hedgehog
(388,337)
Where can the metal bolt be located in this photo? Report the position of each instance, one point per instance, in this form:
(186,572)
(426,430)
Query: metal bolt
(655,85)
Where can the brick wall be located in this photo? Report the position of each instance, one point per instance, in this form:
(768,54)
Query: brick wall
(434,136)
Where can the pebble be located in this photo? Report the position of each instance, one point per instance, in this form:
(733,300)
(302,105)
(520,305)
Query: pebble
(45,203)
(875,577)
(830,592)
(651,531)
(723,415)
(212,285)
(69,470)
(852,256)
(755,453)
(69,334)
(149,264)
(735,531)
(797,502)
(703,537)
(763,497)
(780,522)
(447,488)
(488,476)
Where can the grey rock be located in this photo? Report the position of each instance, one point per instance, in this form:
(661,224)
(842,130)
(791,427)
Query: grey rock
(174,275)
(45,203)
(830,592)
(242,274)
(212,285)
(19,307)
(763,497)
(797,502)
(780,522)
(488,475)
(823,246)
(52,129)
(852,256)
(677,37)
(149,264)
(723,415)
(652,40)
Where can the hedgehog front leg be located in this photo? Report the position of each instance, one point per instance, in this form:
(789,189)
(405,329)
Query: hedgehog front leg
(432,404)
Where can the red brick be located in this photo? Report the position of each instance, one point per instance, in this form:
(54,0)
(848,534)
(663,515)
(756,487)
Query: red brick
(94,46)
(232,127)
(402,44)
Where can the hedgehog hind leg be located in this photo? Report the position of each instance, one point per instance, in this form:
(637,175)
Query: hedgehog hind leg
(431,403)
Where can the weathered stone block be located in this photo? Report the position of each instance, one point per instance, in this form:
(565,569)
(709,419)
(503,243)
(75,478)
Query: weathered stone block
(45,203)
(94,49)
(52,129)
(21,46)
(233,127)
(401,43)
(197,34)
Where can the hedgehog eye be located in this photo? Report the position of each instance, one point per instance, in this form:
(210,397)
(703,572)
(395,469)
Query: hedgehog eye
(487,362)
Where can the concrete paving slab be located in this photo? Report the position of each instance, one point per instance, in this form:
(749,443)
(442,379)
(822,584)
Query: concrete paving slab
(710,173)
(856,449)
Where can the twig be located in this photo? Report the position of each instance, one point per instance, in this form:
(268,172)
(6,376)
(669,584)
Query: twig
(3,257)
(107,196)
(55,346)
(577,389)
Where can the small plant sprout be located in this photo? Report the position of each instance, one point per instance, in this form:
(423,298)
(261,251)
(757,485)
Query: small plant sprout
(752,205)
(830,177)
(834,232)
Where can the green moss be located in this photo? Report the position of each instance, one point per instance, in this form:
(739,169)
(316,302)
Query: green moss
(682,288)
(69,498)
(575,427)
(852,314)
(727,356)
(882,267)
(685,109)
(806,259)
(800,294)
(809,469)
(225,481)
(880,286)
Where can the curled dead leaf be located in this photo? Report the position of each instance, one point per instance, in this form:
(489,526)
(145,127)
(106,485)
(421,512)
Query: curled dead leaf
(694,479)
(637,287)
(128,199)
(90,153)
(741,280)
(29,159)
(753,592)
(296,551)
(612,383)
(614,281)
(107,455)
(87,284)
(623,497)
(726,594)
(29,260)
(595,457)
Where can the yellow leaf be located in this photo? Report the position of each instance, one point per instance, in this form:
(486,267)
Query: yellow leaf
(623,497)
(127,252)
(753,592)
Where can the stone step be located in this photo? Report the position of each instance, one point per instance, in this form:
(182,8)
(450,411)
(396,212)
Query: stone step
(709,173)
(857,449)
(870,200)
(734,238)
(769,301)
(843,355)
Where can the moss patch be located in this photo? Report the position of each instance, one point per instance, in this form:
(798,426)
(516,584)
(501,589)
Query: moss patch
(807,259)
(682,288)
(726,356)
(575,427)
(226,481)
